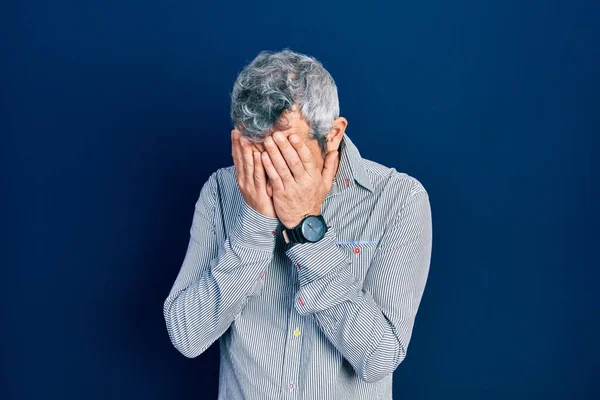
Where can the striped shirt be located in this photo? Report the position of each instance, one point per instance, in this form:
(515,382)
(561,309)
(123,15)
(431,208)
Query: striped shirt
(325,320)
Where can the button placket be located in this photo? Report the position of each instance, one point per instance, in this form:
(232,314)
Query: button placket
(293,351)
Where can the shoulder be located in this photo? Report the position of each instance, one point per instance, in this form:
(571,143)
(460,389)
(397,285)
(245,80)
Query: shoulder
(389,180)
(406,203)
(220,181)
(221,178)
(225,175)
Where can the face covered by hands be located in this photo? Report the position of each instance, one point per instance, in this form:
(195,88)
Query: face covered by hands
(297,174)
(299,184)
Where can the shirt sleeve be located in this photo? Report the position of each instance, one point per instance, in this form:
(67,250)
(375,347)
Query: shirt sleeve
(369,323)
(214,283)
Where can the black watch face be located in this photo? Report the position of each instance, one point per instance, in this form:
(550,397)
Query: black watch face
(313,229)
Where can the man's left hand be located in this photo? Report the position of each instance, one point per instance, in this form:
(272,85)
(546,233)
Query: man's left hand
(299,186)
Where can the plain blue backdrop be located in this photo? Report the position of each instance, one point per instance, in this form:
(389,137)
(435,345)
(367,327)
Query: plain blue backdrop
(114,114)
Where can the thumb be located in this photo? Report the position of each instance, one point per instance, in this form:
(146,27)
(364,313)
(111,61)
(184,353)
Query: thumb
(330,166)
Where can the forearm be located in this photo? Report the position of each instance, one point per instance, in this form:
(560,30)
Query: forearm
(200,309)
(360,331)
(348,316)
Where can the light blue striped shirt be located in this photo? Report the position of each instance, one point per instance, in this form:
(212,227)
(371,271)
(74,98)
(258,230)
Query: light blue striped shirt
(326,320)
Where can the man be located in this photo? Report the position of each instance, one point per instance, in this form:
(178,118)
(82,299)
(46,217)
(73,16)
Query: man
(306,261)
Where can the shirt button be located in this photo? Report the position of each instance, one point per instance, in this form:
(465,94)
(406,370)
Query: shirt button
(292,386)
(296,332)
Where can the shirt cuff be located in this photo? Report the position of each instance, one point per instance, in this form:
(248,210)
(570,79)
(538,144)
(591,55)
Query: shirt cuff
(254,231)
(313,261)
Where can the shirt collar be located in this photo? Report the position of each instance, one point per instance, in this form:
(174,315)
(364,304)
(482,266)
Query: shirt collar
(351,170)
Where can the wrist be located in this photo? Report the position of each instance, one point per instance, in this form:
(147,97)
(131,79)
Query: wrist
(296,221)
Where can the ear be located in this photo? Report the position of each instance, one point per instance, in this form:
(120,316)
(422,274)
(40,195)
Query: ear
(335,135)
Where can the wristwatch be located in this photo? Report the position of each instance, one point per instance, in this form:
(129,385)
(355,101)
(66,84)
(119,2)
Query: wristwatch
(312,228)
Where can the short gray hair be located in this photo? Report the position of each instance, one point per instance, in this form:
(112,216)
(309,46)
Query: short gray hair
(272,83)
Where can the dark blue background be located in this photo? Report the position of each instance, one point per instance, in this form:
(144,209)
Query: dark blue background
(114,113)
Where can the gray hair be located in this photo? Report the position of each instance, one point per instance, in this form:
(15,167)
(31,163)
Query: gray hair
(273,83)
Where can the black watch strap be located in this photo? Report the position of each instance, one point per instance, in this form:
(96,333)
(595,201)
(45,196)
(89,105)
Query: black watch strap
(293,235)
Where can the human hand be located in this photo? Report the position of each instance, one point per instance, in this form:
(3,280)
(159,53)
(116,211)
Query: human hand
(250,175)
(299,186)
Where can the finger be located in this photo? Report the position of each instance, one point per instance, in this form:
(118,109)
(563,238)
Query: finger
(290,155)
(274,178)
(236,154)
(260,180)
(283,172)
(248,161)
(269,189)
(304,154)
(330,167)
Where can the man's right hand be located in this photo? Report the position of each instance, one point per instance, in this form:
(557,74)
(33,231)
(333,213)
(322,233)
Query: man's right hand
(250,175)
